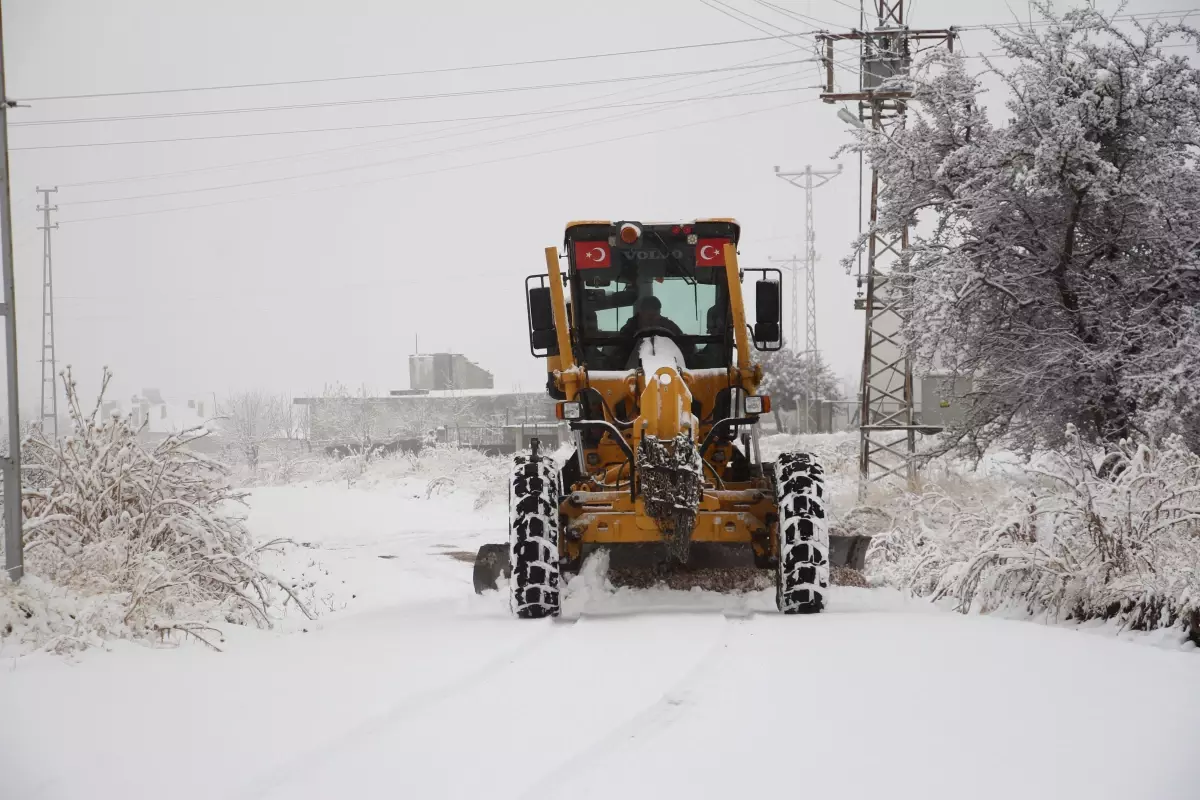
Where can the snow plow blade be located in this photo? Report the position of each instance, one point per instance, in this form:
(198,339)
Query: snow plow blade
(490,563)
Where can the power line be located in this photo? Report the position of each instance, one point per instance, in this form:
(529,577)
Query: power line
(434,71)
(802,18)
(558,108)
(751,16)
(853,8)
(440,170)
(378,100)
(748,15)
(399,159)
(446,133)
(312,130)
(744,22)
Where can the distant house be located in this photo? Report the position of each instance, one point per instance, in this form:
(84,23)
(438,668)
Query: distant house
(415,412)
(443,371)
(162,416)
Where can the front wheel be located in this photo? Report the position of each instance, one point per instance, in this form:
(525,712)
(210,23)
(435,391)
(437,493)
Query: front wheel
(533,538)
(802,577)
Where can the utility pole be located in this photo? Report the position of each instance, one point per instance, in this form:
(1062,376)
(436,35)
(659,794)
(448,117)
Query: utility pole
(49,365)
(810,283)
(14,546)
(887,424)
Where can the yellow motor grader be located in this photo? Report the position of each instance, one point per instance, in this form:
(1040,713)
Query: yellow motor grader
(648,353)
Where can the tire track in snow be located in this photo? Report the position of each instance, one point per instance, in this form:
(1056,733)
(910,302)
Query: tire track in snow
(413,704)
(672,704)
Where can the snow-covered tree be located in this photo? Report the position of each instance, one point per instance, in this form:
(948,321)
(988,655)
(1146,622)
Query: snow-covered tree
(251,419)
(788,375)
(1060,268)
(344,417)
(291,418)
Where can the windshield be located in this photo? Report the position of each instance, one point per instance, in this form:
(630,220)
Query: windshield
(693,309)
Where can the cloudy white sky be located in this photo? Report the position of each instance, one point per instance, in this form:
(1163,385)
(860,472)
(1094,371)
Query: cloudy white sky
(327,256)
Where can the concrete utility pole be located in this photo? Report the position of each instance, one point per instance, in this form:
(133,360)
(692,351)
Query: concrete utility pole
(14,546)
(805,181)
(49,367)
(887,421)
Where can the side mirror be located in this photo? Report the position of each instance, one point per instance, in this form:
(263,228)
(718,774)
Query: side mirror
(767,304)
(542,336)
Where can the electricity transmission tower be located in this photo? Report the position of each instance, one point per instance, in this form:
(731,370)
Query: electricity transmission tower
(49,393)
(804,180)
(792,264)
(810,251)
(887,424)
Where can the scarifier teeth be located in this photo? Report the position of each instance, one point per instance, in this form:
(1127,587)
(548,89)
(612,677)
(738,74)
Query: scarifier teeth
(672,486)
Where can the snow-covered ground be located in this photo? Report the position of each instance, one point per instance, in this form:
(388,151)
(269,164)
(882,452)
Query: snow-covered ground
(409,685)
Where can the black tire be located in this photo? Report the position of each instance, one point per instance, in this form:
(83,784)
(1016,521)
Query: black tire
(533,538)
(802,578)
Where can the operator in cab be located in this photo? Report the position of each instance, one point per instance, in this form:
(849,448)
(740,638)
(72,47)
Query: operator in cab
(648,314)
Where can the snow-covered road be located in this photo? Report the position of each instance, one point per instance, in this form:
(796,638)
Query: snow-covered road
(411,686)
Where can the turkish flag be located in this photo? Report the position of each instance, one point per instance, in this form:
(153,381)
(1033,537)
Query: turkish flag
(592,255)
(710,252)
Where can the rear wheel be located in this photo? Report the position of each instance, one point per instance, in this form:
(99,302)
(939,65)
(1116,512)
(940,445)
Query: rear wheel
(802,577)
(533,538)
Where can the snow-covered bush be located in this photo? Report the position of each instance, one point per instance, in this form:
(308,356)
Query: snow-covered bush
(251,420)
(1114,535)
(149,529)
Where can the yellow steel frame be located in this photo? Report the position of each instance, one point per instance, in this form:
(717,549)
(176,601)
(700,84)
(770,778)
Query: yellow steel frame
(730,511)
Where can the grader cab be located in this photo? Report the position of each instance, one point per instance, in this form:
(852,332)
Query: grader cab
(648,353)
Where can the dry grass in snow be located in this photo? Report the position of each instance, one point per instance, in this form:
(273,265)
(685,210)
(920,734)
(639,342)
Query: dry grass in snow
(1084,536)
(126,540)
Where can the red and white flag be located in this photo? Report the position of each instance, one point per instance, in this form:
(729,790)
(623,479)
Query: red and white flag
(592,255)
(710,252)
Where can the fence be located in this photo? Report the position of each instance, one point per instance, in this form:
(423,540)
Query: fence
(502,439)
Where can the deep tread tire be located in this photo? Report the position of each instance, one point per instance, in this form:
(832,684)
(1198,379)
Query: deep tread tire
(802,577)
(533,538)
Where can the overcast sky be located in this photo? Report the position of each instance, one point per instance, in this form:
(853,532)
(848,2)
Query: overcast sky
(291,282)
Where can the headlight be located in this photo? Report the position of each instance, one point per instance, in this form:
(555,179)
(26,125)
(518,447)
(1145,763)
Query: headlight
(570,410)
(758,404)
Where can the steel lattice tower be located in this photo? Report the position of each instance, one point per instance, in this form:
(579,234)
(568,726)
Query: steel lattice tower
(887,422)
(804,180)
(49,365)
